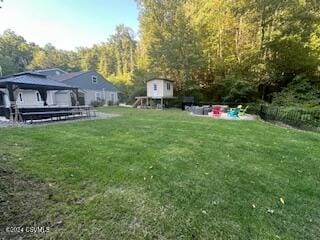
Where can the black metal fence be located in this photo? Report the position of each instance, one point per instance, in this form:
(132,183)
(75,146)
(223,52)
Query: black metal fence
(299,118)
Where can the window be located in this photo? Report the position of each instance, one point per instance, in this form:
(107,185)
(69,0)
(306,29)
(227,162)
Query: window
(1,99)
(20,97)
(168,86)
(98,96)
(155,87)
(94,80)
(38,97)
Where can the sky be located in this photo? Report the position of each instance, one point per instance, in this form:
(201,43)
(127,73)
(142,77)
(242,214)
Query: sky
(67,24)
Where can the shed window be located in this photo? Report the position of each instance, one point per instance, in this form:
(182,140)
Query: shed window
(20,97)
(94,80)
(168,86)
(155,87)
(38,96)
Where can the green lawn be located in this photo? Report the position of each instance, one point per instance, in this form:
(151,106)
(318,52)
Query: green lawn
(152,174)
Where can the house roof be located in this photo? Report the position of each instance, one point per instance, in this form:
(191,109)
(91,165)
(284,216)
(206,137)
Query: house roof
(156,78)
(83,80)
(51,71)
(67,76)
(30,80)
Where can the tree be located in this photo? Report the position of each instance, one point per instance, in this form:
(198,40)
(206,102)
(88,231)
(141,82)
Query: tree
(16,50)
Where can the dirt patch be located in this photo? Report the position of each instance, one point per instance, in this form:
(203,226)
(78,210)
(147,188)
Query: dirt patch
(23,205)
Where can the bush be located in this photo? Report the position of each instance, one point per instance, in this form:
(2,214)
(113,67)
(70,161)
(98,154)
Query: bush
(97,103)
(302,92)
(136,92)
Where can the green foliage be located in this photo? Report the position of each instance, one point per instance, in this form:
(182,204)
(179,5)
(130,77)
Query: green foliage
(7,66)
(302,91)
(15,52)
(97,103)
(50,57)
(113,59)
(229,49)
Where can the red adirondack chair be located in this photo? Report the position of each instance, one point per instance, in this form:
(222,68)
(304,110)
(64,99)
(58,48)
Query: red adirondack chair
(216,111)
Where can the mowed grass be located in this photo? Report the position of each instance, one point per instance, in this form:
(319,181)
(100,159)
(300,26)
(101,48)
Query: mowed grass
(152,174)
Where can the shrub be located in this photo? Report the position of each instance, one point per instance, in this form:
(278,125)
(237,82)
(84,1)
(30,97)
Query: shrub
(302,92)
(97,103)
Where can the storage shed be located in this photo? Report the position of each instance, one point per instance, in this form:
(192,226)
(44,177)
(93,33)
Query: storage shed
(158,88)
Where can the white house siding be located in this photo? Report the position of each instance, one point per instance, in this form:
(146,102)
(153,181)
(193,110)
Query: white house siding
(28,98)
(155,93)
(91,96)
(111,96)
(6,98)
(161,88)
(54,98)
(62,98)
(57,98)
(166,92)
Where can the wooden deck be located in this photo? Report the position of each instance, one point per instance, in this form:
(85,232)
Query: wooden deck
(52,113)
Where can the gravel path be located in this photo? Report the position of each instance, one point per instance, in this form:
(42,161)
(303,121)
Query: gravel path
(6,123)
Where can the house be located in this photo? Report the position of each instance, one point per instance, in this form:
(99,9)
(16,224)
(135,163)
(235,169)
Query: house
(30,90)
(54,88)
(158,88)
(92,87)
(28,87)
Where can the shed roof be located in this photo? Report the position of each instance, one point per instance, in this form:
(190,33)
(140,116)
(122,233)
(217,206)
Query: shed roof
(156,78)
(30,80)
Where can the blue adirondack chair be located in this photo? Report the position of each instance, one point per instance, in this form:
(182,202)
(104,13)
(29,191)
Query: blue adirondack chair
(234,112)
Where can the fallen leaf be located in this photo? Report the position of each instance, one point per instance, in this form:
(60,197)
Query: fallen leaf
(270,211)
(204,212)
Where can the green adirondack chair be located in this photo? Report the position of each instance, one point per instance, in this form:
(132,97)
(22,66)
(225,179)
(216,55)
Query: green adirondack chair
(243,111)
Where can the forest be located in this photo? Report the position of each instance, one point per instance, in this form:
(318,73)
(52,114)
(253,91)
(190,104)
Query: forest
(217,51)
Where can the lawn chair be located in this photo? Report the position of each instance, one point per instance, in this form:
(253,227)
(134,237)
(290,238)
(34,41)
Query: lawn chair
(234,112)
(243,111)
(216,111)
